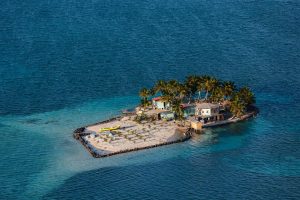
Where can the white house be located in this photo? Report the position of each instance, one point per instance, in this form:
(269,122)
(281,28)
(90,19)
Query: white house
(159,103)
(207,109)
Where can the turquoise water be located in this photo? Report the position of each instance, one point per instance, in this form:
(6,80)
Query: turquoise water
(71,63)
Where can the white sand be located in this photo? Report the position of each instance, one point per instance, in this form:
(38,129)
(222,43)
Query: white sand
(132,135)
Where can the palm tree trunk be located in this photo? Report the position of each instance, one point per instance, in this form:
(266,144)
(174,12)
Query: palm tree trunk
(206,95)
(199,95)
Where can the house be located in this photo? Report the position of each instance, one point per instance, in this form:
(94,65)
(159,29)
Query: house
(188,109)
(196,125)
(207,109)
(208,112)
(159,103)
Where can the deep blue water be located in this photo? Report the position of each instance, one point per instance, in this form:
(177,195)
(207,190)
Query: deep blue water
(64,64)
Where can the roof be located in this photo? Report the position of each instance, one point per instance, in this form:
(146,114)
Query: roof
(166,112)
(208,105)
(186,105)
(159,99)
(156,99)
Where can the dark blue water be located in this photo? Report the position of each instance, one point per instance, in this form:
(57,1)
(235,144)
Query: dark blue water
(69,63)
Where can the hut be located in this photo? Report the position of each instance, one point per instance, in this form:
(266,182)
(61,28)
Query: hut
(196,125)
(188,109)
(160,103)
(208,112)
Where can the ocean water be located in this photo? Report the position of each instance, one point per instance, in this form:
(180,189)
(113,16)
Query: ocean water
(65,64)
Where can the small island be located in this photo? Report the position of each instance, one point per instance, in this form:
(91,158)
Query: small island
(169,112)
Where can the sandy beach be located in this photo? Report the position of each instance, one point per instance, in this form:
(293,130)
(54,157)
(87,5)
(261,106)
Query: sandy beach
(131,135)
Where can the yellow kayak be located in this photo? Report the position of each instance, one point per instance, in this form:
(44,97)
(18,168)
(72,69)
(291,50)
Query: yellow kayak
(109,129)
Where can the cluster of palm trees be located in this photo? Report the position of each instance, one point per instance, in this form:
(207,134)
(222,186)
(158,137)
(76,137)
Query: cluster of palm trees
(200,88)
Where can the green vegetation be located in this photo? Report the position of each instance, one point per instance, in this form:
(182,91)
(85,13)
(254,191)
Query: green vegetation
(140,118)
(145,94)
(200,88)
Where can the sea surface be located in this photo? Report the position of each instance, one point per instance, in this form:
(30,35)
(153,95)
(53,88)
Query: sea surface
(65,64)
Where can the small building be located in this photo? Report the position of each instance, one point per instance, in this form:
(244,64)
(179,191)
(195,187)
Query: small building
(207,109)
(159,103)
(167,115)
(188,109)
(208,112)
(196,125)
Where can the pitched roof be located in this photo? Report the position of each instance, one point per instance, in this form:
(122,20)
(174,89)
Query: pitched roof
(156,98)
(186,105)
(207,105)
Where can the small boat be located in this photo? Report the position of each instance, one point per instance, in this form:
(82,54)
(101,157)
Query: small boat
(109,129)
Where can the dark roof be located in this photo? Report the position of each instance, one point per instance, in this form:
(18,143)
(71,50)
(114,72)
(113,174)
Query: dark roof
(186,105)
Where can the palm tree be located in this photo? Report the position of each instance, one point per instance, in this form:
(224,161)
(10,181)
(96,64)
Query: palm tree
(200,85)
(229,88)
(210,84)
(152,92)
(183,91)
(191,84)
(237,105)
(168,98)
(173,87)
(166,89)
(241,101)
(160,86)
(144,94)
(176,107)
(247,95)
(217,95)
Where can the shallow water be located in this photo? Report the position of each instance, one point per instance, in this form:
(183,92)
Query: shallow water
(68,64)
